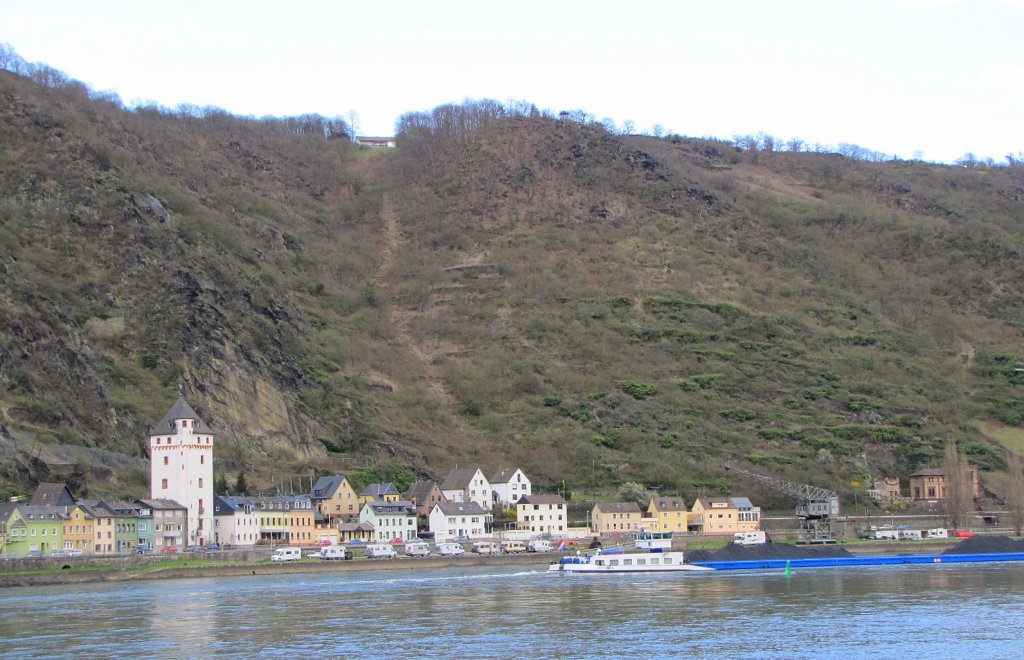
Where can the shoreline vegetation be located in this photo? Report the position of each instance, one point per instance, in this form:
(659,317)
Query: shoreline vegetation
(107,570)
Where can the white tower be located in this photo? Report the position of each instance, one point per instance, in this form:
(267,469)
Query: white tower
(181,468)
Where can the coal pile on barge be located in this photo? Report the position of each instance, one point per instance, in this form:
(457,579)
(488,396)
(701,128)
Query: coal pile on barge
(983,545)
(736,552)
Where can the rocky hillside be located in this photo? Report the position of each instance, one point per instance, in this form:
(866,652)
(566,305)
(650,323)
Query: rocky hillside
(503,288)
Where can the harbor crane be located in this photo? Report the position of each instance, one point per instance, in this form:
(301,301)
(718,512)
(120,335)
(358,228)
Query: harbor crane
(815,506)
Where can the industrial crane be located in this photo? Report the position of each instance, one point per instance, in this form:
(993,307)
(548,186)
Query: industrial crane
(814,506)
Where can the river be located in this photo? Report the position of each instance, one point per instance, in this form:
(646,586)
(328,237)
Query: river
(858,612)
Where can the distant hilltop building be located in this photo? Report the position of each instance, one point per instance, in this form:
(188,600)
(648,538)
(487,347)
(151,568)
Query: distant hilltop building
(367,141)
(181,468)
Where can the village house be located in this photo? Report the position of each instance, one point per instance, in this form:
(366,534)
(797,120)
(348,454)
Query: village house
(273,519)
(886,491)
(615,517)
(53,494)
(451,520)
(170,521)
(234,521)
(725,515)
(79,532)
(376,141)
(35,528)
(929,485)
(541,514)
(424,495)
(356,531)
(386,492)
(335,498)
(390,520)
(144,536)
(670,515)
(468,485)
(301,520)
(508,485)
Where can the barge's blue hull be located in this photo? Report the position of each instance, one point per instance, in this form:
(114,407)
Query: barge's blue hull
(864,560)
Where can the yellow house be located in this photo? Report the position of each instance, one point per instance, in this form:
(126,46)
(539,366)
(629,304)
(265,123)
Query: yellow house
(79,532)
(615,517)
(335,498)
(725,515)
(670,513)
(386,492)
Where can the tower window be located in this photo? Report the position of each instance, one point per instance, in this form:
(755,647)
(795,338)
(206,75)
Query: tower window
(167,460)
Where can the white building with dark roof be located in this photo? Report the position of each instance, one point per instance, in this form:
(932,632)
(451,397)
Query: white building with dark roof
(509,484)
(450,520)
(181,468)
(468,485)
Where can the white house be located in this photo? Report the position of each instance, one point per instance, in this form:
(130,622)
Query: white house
(235,522)
(449,520)
(468,485)
(181,468)
(542,514)
(510,484)
(390,520)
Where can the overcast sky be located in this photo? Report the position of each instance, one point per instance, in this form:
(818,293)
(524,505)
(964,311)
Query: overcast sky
(931,78)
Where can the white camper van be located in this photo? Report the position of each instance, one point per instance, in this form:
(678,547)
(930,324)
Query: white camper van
(380,552)
(450,549)
(417,549)
(286,554)
(749,538)
(486,548)
(334,552)
(539,545)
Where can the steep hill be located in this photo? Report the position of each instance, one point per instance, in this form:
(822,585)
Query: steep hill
(504,288)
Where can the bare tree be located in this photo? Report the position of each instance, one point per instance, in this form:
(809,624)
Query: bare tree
(959,498)
(1015,491)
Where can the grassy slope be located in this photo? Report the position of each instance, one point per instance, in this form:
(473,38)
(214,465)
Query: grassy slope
(499,298)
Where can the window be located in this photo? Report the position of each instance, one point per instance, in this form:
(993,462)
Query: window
(200,485)
(163,484)
(202,459)
(167,460)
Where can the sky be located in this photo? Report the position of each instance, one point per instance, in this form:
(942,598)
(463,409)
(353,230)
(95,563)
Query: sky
(931,79)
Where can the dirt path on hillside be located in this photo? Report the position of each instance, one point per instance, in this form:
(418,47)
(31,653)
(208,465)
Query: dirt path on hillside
(401,319)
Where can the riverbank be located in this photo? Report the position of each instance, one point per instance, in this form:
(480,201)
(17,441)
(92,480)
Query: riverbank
(201,568)
(131,568)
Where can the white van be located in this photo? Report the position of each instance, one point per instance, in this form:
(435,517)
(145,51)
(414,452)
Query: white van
(539,545)
(910,535)
(450,549)
(749,538)
(380,552)
(486,548)
(334,552)
(937,533)
(287,554)
(417,549)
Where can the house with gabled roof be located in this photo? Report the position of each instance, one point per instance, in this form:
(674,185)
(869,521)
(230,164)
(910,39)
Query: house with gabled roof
(79,529)
(35,528)
(170,523)
(468,485)
(234,521)
(542,514)
(334,497)
(52,494)
(390,520)
(509,484)
(615,517)
(725,515)
(450,520)
(424,494)
(385,492)
(670,513)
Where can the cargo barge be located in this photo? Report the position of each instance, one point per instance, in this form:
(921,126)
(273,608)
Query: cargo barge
(818,562)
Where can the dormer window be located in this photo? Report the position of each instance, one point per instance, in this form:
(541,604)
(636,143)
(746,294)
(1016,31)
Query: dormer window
(170,424)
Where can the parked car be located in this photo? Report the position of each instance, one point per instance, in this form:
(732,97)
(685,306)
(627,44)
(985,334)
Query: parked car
(396,541)
(314,555)
(213,547)
(75,552)
(171,550)
(59,553)
(33,554)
